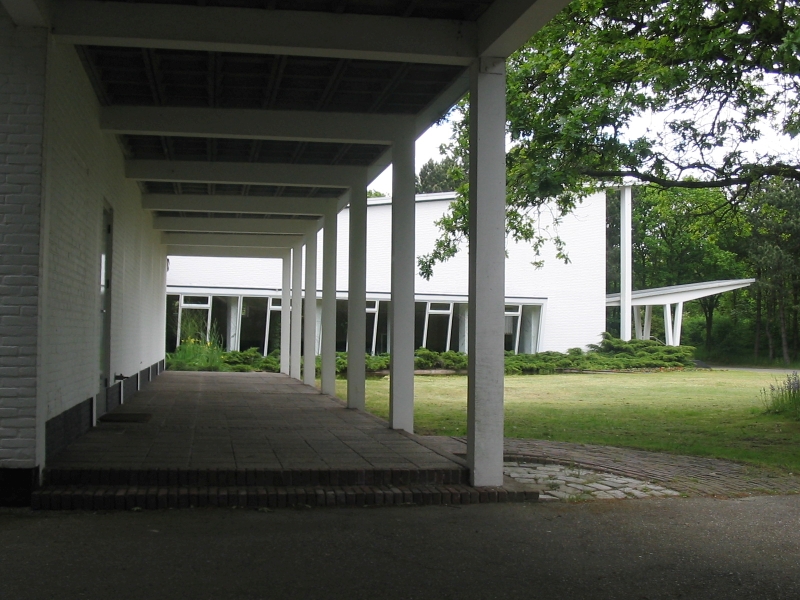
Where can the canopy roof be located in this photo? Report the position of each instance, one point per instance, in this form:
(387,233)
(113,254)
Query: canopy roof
(679,293)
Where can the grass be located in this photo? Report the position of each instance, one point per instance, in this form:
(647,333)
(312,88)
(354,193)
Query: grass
(717,413)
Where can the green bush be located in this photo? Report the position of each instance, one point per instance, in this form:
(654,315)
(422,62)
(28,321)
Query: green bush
(249,357)
(611,354)
(379,362)
(425,359)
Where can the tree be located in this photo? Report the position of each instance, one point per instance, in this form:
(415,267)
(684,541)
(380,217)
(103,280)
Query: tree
(678,239)
(716,73)
(774,251)
(442,176)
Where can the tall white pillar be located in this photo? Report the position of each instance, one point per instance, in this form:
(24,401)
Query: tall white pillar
(487,203)
(401,309)
(637,322)
(328,345)
(676,326)
(297,310)
(648,321)
(310,311)
(357,299)
(668,325)
(286,312)
(626,264)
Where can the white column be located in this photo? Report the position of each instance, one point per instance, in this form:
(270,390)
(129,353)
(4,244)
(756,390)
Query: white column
(676,326)
(286,312)
(401,309)
(637,322)
(310,311)
(463,327)
(297,310)
(328,346)
(487,203)
(648,321)
(357,298)
(668,325)
(626,262)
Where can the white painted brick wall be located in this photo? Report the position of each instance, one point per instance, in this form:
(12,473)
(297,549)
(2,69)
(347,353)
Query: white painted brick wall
(22,76)
(84,169)
(574,292)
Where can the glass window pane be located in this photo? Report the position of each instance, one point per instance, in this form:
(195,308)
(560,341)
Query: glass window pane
(254,323)
(437,332)
(194,323)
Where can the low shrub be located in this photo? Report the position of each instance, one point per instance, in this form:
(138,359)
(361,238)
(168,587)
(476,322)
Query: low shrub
(611,354)
(783,398)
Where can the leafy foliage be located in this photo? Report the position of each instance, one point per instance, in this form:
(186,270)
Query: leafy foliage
(208,356)
(610,355)
(712,76)
(442,176)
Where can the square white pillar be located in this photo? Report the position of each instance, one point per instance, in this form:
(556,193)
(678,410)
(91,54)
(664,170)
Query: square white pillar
(310,311)
(668,331)
(357,299)
(297,310)
(401,308)
(286,285)
(676,325)
(328,326)
(626,263)
(487,203)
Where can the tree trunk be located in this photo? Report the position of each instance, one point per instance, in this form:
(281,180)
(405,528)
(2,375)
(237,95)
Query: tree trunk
(757,343)
(784,332)
(793,312)
(768,328)
(708,305)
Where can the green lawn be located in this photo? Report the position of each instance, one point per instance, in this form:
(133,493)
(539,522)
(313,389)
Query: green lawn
(717,413)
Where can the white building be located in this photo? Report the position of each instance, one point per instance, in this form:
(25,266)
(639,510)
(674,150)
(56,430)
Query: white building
(273,115)
(555,307)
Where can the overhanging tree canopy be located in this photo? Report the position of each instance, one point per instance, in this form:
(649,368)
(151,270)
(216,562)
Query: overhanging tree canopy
(717,75)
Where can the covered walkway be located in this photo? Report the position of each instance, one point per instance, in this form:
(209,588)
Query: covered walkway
(245,421)
(251,440)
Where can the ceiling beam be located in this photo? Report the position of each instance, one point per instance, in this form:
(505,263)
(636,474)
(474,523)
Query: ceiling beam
(246,173)
(258,31)
(230,240)
(307,126)
(239,204)
(220,252)
(234,225)
(509,24)
(28,13)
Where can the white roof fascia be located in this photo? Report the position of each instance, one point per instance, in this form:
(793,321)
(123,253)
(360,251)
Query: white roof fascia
(680,293)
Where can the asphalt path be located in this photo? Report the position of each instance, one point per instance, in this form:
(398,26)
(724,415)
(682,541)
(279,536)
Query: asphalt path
(643,549)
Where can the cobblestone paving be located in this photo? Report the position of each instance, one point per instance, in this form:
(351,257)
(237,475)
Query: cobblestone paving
(688,475)
(559,482)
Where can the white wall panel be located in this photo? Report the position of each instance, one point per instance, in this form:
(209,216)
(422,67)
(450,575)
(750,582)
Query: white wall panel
(575,292)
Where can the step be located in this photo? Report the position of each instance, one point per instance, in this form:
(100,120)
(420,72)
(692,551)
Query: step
(254,477)
(149,497)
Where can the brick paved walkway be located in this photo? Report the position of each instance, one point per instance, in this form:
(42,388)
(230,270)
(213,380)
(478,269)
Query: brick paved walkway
(690,475)
(258,440)
(244,421)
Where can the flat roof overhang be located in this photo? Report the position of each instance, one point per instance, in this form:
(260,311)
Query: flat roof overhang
(274,99)
(679,293)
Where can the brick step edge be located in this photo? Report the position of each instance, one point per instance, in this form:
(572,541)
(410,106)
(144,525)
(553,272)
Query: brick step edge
(91,497)
(255,477)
